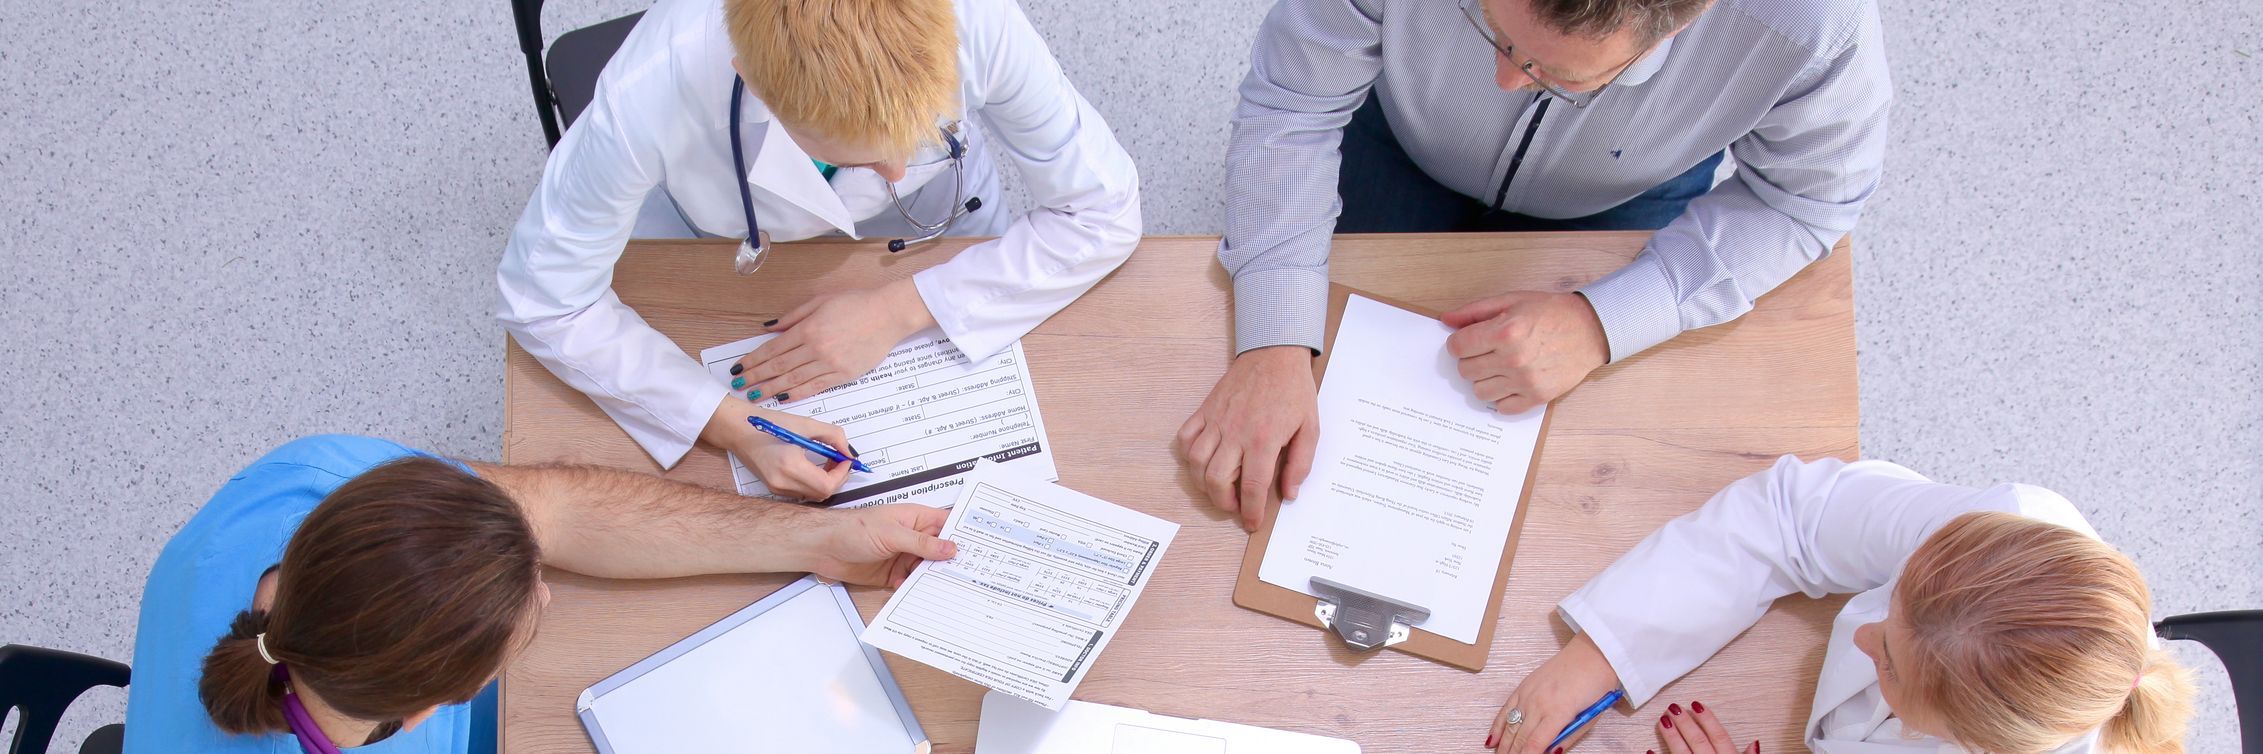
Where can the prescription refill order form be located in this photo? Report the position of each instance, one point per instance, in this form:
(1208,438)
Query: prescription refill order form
(920,420)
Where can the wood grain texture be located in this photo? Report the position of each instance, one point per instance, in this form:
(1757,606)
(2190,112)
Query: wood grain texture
(1643,441)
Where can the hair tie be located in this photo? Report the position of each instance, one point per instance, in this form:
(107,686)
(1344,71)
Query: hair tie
(2139,679)
(261,642)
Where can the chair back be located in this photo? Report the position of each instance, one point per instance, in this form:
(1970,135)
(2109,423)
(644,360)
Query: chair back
(2236,636)
(565,82)
(40,683)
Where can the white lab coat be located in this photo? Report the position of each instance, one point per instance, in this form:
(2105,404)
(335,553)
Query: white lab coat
(657,131)
(1817,528)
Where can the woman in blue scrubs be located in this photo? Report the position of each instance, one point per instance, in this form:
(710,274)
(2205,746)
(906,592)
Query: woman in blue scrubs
(345,592)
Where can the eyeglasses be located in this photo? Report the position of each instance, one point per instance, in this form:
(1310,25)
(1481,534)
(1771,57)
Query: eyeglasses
(752,254)
(756,248)
(1530,67)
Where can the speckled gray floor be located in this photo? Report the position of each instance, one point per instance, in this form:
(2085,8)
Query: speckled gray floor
(227,224)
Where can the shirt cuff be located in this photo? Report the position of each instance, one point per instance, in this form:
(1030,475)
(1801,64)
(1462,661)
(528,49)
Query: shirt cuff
(1582,618)
(1636,305)
(969,331)
(668,447)
(1286,306)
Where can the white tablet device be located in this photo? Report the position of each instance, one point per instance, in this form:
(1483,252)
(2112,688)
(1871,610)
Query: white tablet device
(1012,726)
(783,674)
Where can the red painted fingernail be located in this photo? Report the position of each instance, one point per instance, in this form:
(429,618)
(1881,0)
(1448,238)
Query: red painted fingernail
(1666,721)
(1697,707)
(1489,740)
(1559,750)
(1756,746)
(1674,708)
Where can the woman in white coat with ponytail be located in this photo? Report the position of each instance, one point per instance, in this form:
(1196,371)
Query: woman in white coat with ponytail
(1989,621)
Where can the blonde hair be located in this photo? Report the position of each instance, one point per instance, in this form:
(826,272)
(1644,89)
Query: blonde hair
(2026,634)
(873,72)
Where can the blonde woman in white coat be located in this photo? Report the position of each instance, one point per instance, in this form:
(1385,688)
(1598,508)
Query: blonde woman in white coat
(781,120)
(1983,620)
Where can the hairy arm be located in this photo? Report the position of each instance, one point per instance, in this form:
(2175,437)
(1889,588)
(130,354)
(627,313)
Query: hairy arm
(618,524)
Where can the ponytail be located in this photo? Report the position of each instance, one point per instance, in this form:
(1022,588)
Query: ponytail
(2026,634)
(2153,721)
(238,687)
(407,588)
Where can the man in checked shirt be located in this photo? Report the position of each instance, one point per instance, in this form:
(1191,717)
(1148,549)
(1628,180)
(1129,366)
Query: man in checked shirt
(1368,116)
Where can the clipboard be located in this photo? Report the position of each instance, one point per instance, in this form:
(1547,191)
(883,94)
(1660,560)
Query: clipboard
(1354,611)
(655,706)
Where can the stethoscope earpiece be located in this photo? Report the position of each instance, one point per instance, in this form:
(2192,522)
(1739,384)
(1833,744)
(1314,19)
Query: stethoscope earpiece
(899,244)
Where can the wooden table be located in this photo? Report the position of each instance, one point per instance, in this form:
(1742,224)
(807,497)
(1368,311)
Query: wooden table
(1641,442)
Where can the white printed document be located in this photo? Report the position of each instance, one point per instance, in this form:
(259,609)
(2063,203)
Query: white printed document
(920,420)
(1415,482)
(1043,578)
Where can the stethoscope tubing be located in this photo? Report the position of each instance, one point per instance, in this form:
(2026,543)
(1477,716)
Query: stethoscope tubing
(961,206)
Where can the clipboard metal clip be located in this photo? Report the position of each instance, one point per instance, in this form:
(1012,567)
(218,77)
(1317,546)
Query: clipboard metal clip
(1366,620)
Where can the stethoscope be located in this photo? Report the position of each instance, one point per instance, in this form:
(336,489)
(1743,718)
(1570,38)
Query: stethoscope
(756,247)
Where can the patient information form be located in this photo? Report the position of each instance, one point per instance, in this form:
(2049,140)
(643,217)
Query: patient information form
(1043,578)
(920,419)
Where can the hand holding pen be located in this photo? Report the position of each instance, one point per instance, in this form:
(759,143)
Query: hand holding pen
(772,429)
(1557,703)
(782,466)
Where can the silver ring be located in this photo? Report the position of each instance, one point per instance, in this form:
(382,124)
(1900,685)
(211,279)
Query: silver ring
(1516,716)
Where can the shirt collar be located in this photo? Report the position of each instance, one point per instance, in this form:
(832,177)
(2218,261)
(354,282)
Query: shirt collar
(780,167)
(1647,66)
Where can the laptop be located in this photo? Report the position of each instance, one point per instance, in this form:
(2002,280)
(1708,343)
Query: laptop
(1011,726)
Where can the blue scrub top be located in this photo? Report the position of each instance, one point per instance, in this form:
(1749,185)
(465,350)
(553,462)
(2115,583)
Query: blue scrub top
(208,572)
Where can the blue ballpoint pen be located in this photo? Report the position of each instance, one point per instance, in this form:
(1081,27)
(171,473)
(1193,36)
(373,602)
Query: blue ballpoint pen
(805,443)
(1587,716)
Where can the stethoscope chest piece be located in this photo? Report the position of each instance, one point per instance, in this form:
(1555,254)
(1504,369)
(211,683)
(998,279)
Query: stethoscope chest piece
(752,253)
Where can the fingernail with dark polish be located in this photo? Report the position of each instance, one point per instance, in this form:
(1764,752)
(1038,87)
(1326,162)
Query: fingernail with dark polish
(771,323)
(1674,708)
(737,368)
(1489,741)
(754,395)
(852,450)
(1697,707)
(1666,721)
(784,397)
(738,382)
(1559,750)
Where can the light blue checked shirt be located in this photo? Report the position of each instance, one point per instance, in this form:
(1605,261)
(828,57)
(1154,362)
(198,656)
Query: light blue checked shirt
(1797,89)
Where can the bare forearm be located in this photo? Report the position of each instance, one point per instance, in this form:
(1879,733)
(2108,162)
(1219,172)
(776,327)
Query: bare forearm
(618,524)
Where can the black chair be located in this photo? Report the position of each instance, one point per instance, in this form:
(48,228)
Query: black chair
(573,65)
(2236,636)
(41,683)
